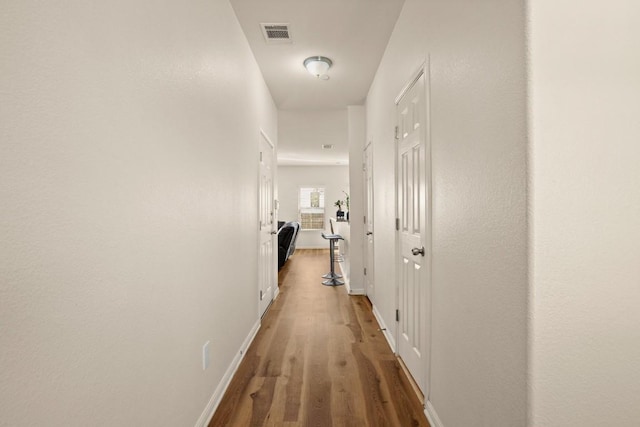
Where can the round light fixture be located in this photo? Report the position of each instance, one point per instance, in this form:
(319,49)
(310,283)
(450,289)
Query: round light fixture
(318,66)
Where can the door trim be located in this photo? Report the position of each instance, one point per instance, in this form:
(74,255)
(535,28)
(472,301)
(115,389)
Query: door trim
(266,137)
(416,76)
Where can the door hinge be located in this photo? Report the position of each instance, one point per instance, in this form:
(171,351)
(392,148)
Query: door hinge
(365,271)
(397,224)
(260,295)
(261,156)
(397,315)
(364,218)
(396,134)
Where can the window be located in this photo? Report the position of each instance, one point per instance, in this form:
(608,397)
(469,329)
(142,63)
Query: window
(311,206)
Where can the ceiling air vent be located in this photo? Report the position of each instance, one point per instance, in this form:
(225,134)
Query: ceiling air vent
(276,33)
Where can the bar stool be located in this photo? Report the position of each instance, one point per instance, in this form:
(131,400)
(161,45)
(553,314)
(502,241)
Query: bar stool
(338,255)
(332,277)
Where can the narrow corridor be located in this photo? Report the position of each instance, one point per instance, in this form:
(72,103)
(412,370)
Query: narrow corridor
(319,359)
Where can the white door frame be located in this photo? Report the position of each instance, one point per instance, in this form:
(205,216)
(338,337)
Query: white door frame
(426,332)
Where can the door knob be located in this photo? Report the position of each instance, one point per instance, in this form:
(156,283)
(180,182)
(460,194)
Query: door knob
(369,233)
(274,232)
(417,251)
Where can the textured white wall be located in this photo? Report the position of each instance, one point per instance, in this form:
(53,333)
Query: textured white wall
(585,198)
(478,137)
(128,178)
(335,180)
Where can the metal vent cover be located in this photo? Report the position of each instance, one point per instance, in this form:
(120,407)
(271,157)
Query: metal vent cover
(276,33)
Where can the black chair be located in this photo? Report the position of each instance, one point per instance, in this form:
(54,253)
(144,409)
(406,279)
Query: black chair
(287,235)
(292,246)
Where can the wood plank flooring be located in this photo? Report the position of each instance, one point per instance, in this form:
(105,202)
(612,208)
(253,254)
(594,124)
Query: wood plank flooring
(319,359)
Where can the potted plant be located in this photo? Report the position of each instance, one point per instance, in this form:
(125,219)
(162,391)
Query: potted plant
(340,213)
(346,203)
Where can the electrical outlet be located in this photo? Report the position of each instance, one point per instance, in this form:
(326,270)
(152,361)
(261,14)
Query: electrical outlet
(206,359)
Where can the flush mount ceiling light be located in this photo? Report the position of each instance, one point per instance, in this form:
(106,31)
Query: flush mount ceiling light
(318,66)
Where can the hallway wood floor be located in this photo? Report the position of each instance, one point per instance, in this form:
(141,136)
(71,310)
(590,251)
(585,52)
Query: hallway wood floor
(318,360)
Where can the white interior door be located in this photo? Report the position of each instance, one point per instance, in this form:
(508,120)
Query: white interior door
(414,248)
(267,276)
(368,220)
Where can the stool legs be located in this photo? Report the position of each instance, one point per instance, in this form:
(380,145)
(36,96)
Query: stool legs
(332,274)
(332,277)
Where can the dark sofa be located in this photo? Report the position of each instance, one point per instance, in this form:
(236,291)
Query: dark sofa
(287,235)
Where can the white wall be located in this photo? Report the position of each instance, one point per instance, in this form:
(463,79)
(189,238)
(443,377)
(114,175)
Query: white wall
(585,213)
(129,136)
(335,180)
(478,138)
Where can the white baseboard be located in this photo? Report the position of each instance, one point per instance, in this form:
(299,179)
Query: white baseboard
(355,291)
(345,278)
(347,283)
(387,333)
(211,407)
(276,293)
(432,416)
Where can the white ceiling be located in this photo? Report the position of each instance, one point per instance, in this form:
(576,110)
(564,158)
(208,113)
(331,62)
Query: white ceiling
(352,33)
(301,135)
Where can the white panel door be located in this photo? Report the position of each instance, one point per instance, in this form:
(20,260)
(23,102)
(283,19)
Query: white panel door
(368,221)
(413,191)
(267,276)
